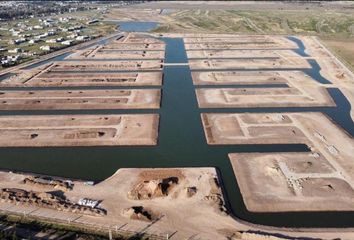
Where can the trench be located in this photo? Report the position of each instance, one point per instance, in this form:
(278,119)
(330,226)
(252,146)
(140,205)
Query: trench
(181,144)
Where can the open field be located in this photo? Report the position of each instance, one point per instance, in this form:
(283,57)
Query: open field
(260,21)
(79,130)
(343,47)
(248,5)
(80,99)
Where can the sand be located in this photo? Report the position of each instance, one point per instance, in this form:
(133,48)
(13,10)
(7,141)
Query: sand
(78,130)
(80,99)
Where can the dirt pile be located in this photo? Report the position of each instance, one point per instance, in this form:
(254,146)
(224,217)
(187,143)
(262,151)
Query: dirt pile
(154,188)
(48,182)
(46,200)
(215,195)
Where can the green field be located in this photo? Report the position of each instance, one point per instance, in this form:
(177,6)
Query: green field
(269,22)
(335,28)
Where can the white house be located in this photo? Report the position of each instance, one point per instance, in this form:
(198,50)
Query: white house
(45,48)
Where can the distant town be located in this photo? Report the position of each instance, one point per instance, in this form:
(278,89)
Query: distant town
(35,29)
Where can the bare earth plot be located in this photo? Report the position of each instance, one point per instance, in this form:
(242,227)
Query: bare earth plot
(271,182)
(80,99)
(66,79)
(263,97)
(330,67)
(244,128)
(133,46)
(139,38)
(244,41)
(79,130)
(282,182)
(233,46)
(107,65)
(249,63)
(125,49)
(258,53)
(268,128)
(117,54)
(314,129)
(250,77)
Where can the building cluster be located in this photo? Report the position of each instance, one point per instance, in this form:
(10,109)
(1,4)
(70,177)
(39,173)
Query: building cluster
(29,38)
(12,10)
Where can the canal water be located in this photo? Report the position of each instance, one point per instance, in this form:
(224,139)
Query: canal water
(181,144)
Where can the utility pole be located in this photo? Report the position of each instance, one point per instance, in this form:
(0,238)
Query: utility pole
(110,234)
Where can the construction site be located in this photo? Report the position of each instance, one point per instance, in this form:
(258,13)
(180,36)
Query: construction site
(183,136)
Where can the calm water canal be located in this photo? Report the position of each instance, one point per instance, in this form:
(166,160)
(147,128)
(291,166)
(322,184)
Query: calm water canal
(181,144)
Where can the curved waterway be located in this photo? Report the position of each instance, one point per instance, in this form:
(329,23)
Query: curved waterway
(181,144)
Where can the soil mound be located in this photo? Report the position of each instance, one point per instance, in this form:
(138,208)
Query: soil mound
(155,188)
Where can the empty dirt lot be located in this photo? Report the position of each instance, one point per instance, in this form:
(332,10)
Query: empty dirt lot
(249,63)
(237,41)
(243,128)
(107,65)
(254,54)
(67,79)
(273,182)
(275,128)
(308,96)
(117,54)
(134,46)
(79,130)
(80,99)
(250,77)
